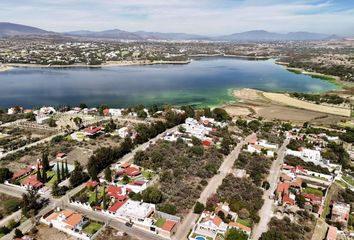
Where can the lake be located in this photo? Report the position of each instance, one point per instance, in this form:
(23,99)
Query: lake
(205,82)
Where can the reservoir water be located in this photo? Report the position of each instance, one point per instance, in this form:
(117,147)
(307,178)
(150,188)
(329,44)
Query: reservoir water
(207,81)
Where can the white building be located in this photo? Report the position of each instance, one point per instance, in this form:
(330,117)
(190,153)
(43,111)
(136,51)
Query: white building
(306,154)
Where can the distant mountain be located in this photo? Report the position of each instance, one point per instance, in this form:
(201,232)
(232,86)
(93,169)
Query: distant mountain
(261,35)
(12,29)
(140,35)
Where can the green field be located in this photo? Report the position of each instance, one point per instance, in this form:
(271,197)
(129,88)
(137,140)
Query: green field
(92,228)
(313,191)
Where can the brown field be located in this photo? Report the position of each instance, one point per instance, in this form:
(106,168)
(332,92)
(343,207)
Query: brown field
(47,233)
(293,102)
(110,233)
(256,105)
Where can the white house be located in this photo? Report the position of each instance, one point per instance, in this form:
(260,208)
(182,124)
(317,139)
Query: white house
(306,154)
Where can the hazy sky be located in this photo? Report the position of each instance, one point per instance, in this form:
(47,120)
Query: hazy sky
(211,17)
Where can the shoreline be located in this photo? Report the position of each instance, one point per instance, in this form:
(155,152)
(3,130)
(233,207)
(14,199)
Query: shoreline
(5,68)
(229,56)
(325,77)
(103,65)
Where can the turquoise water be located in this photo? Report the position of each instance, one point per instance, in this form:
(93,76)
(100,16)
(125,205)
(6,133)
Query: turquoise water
(202,82)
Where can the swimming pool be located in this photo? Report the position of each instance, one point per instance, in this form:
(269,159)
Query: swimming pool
(200,238)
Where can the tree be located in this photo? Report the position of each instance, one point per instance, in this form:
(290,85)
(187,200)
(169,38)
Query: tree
(39,176)
(30,203)
(244,213)
(152,195)
(77,121)
(168,208)
(18,233)
(108,174)
(30,117)
(220,115)
(45,161)
(44,176)
(104,198)
(139,157)
(58,173)
(125,179)
(300,200)
(235,234)
(273,235)
(78,175)
(63,175)
(198,208)
(52,122)
(207,112)
(66,169)
(82,105)
(142,114)
(5,174)
(211,202)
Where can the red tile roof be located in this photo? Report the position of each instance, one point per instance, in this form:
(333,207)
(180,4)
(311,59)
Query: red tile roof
(91,184)
(313,198)
(22,173)
(132,171)
(137,183)
(168,225)
(240,226)
(33,182)
(288,200)
(283,187)
(114,208)
(92,130)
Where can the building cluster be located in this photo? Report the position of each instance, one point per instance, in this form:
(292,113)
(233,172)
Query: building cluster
(201,129)
(211,226)
(261,146)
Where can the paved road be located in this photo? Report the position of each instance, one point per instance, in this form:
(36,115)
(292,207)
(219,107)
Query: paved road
(14,216)
(225,168)
(64,201)
(266,211)
(114,223)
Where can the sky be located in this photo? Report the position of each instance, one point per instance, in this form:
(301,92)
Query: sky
(207,17)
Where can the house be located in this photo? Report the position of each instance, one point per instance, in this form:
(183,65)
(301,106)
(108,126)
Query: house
(331,233)
(137,185)
(313,199)
(306,154)
(92,131)
(209,224)
(118,193)
(66,220)
(125,132)
(132,171)
(224,207)
(32,183)
(22,173)
(168,228)
(340,213)
(135,211)
(240,226)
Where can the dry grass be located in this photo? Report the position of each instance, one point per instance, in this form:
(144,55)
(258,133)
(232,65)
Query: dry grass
(289,101)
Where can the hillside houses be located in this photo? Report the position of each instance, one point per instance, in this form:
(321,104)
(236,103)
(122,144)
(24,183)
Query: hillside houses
(261,146)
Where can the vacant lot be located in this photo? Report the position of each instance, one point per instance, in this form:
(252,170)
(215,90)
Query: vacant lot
(47,233)
(284,99)
(110,233)
(8,205)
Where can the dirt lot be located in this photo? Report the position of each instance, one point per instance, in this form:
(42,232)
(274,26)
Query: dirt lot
(110,233)
(253,102)
(47,233)
(287,100)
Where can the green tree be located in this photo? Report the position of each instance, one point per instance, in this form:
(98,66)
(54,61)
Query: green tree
(168,208)
(30,203)
(52,122)
(78,175)
(82,105)
(220,115)
(39,176)
(44,176)
(142,114)
(5,174)
(152,195)
(58,173)
(45,161)
(235,234)
(125,179)
(108,174)
(199,207)
(18,233)
(63,175)
(66,169)
(300,200)
(273,234)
